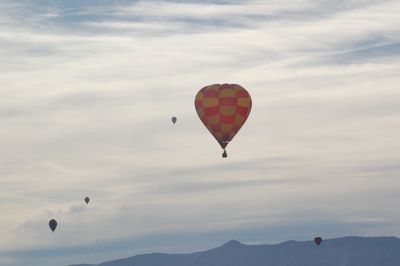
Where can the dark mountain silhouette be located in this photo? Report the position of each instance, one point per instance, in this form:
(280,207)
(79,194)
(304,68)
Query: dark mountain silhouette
(347,251)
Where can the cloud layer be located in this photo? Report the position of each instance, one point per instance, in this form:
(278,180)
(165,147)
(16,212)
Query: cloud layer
(88,89)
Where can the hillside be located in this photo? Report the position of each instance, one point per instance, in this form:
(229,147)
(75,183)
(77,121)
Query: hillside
(347,251)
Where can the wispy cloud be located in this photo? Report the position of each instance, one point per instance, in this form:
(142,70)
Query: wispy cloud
(88,90)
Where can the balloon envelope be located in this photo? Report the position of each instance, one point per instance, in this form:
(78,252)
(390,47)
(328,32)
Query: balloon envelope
(223,109)
(318,240)
(53,224)
(87,200)
(174,119)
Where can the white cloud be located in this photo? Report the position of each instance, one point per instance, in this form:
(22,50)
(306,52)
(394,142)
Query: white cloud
(85,109)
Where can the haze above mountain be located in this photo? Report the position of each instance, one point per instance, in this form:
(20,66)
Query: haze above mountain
(347,251)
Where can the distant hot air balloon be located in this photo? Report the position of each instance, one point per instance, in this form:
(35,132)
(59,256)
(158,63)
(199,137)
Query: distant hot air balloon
(87,200)
(223,109)
(174,119)
(317,240)
(53,224)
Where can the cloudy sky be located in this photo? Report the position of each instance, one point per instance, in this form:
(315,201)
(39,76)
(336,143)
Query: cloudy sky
(88,88)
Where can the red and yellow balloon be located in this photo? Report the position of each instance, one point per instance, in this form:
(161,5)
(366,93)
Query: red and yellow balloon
(223,109)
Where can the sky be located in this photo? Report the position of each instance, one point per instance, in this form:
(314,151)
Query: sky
(88,89)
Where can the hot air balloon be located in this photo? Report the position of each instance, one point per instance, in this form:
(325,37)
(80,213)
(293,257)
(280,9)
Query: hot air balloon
(173,119)
(317,240)
(87,200)
(53,224)
(223,109)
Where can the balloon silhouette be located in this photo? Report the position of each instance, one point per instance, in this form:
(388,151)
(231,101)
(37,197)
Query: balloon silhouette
(223,109)
(317,240)
(173,119)
(87,200)
(53,224)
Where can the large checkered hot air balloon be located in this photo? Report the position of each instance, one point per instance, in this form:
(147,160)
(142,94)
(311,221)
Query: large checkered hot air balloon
(223,109)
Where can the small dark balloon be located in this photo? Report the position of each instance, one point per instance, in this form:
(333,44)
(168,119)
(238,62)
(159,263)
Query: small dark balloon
(87,200)
(317,240)
(174,119)
(53,224)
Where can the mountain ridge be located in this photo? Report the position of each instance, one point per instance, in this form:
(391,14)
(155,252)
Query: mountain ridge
(345,251)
